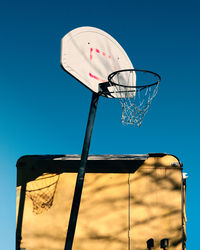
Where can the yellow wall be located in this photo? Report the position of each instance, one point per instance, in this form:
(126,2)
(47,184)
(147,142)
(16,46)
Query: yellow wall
(116,210)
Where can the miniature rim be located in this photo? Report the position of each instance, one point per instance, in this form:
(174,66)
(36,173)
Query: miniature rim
(110,77)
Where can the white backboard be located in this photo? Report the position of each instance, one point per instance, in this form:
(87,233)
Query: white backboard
(90,55)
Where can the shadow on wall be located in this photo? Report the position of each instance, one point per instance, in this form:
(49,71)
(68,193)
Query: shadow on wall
(118,210)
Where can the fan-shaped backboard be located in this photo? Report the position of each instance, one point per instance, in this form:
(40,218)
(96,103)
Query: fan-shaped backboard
(90,55)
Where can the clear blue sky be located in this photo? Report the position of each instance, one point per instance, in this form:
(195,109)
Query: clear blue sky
(44,111)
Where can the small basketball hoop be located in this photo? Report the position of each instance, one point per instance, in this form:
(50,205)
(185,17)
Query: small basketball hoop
(135,90)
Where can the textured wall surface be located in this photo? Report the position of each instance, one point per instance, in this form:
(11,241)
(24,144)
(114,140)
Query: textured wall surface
(117,211)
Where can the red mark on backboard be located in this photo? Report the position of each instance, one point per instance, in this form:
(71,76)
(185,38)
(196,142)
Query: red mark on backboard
(91,49)
(97,51)
(91,58)
(96,77)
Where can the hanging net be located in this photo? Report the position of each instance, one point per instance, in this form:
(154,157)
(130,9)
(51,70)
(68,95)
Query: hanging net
(135,90)
(41,191)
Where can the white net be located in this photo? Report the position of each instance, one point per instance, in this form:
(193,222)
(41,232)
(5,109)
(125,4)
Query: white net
(135,107)
(136,99)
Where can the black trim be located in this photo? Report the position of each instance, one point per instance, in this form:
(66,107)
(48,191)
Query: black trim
(110,77)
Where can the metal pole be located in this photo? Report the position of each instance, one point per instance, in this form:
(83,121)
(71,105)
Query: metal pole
(20,215)
(81,174)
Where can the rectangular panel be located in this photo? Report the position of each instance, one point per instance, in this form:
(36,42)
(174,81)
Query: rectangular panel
(156,207)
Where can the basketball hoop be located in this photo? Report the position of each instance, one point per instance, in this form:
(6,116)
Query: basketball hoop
(100,54)
(135,96)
